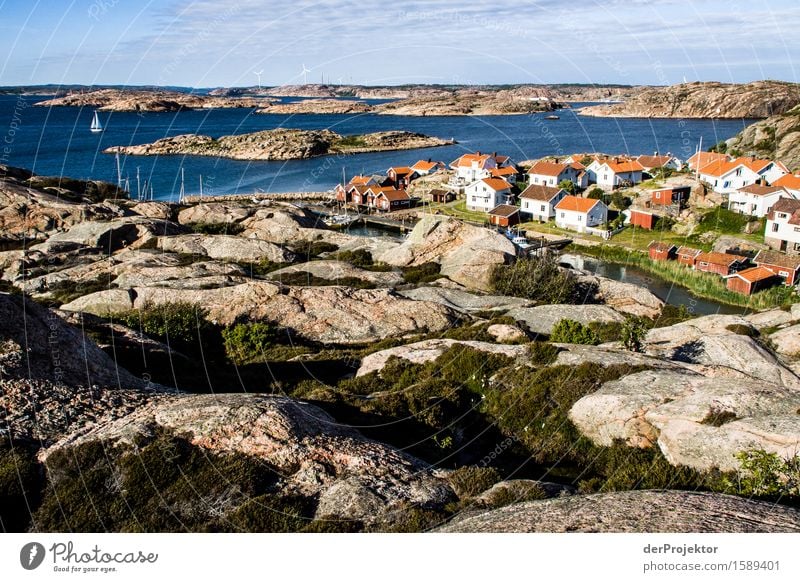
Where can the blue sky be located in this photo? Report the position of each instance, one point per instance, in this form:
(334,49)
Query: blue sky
(204,43)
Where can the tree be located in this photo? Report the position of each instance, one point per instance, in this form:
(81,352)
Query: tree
(567,185)
(619,200)
(569,331)
(595,193)
(538,277)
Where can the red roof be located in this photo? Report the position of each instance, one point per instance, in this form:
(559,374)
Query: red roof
(504,171)
(504,210)
(624,166)
(754,274)
(539,192)
(577,204)
(759,190)
(653,161)
(496,184)
(545,168)
(467,160)
(660,246)
(425,165)
(393,195)
(790,181)
(719,258)
(688,252)
(701,159)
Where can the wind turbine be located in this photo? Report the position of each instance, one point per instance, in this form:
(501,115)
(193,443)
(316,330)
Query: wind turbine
(305,75)
(258,74)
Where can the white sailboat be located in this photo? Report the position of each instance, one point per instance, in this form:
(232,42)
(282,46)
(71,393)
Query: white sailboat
(96,126)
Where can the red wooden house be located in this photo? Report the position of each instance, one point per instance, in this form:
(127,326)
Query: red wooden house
(669,196)
(388,199)
(646,220)
(787,267)
(660,251)
(400,177)
(751,280)
(720,263)
(504,215)
(687,255)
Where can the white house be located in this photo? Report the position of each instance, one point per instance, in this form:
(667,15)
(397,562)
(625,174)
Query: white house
(727,177)
(426,167)
(471,167)
(507,173)
(576,213)
(782,232)
(486,193)
(615,172)
(702,159)
(545,173)
(654,162)
(790,183)
(755,199)
(539,202)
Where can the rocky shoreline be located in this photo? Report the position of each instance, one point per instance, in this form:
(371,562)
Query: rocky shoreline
(149,100)
(281,144)
(243,342)
(710,100)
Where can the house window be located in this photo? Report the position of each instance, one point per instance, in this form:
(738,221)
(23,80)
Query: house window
(797,246)
(775,227)
(474,198)
(542,208)
(783,273)
(562,215)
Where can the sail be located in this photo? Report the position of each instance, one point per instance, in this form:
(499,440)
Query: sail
(96,126)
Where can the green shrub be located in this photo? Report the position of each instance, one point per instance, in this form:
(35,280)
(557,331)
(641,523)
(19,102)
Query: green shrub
(247,342)
(538,278)
(68,290)
(301,279)
(764,474)
(216,227)
(567,185)
(568,331)
(180,323)
(742,329)
(633,332)
(596,193)
(471,481)
(21,485)
(424,273)
(359,258)
(542,353)
(619,200)
(606,331)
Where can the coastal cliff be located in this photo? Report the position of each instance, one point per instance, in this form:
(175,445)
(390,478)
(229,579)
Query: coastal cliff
(149,100)
(705,100)
(777,137)
(280,144)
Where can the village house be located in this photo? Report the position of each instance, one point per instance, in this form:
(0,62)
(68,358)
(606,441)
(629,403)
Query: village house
(344,194)
(720,263)
(389,199)
(750,280)
(702,159)
(755,199)
(401,176)
(504,215)
(675,196)
(539,202)
(726,177)
(441,196)
(655,162)
(787,267)
(487,193)
(615,172)
(687,256)
(790,183)
(507,173)
(660,251)
(546,173)
(428,167)
(641,218)
(782,232)
(575,213)
(472,167)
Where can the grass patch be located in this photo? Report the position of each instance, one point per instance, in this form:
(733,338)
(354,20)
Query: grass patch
(425,273)
(216,228)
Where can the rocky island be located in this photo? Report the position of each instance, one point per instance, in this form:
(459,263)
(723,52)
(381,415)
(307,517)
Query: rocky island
(281,144)
(318,106)
(149,100)
(235,345)
(759,99)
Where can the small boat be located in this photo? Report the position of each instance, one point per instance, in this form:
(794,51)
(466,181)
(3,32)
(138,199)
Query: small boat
(521,242)
(96,126)
(552,117)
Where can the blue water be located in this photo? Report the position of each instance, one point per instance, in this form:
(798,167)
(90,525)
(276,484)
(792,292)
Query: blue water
(57,141)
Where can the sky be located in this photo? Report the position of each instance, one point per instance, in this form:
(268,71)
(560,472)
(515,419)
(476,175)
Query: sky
(212,43)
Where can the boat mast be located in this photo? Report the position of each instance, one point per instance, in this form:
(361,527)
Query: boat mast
(138,185)
(699,153)
(119,171)
(201,185)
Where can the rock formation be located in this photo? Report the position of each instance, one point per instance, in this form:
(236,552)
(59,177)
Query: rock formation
(758,99)
(147,100)
(280,144)
(777,137)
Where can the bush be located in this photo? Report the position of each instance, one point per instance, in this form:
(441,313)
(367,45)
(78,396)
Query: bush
(619,200)
(472,481)
(424,273)
(764,474)
(633,332)
(180,323)
(742,329)
(567,185)
(568,331)
(216,227)
(538,278)
(542,353)
(359,258)
(596,193)
(246,342)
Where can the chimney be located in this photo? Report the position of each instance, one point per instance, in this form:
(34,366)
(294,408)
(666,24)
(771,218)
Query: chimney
(494,154)
(478,153)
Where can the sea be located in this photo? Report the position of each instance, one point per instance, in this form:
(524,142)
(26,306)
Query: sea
(56,141)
